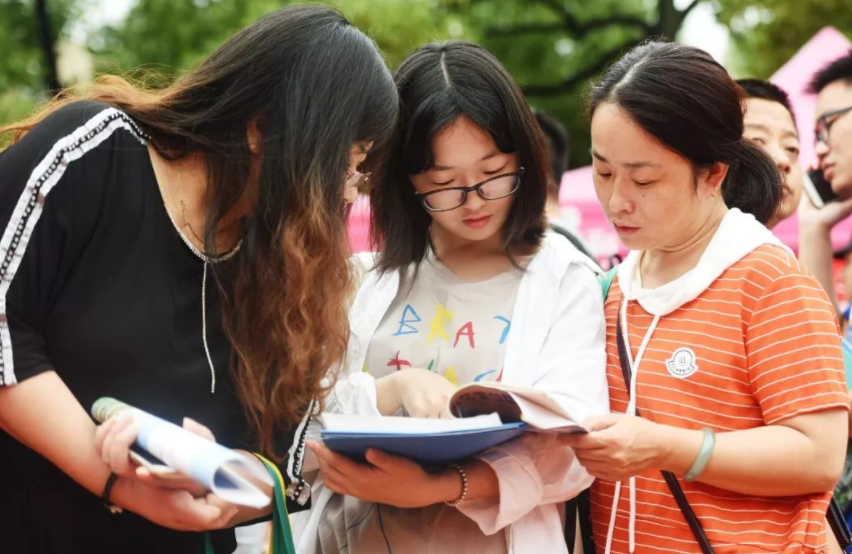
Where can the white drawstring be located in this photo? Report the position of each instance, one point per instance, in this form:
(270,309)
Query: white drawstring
(631,410)
(612,515)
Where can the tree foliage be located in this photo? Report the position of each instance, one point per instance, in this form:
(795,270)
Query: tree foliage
(766,33)
(24,71)
(554,48)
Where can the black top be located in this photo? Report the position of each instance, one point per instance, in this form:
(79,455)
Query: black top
(96,284)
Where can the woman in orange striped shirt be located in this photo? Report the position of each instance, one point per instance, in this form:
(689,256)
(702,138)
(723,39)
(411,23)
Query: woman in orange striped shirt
(731,347)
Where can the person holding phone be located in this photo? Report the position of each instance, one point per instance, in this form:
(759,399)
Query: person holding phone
(833,128)
(833,125)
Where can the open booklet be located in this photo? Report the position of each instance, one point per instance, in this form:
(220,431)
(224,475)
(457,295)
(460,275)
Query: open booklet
(543,411)
(487,414)
(171,451)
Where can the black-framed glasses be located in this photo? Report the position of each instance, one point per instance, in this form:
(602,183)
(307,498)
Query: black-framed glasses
(826,120)
(450,198)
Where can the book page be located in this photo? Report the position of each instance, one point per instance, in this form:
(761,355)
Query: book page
(541,410)
(474,400)
(343,423)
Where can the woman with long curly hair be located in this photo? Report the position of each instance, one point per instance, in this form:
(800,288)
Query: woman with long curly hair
(182,250)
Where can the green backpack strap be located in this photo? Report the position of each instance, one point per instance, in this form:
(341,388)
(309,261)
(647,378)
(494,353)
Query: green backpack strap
(606,281)
(281,541)
(847,361)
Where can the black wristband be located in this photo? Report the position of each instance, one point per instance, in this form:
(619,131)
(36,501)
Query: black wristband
(107,491)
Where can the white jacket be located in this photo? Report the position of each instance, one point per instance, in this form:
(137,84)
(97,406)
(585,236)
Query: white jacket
(557,343)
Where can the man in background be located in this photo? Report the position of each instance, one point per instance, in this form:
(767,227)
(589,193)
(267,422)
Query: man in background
(833,86)
(769,122)
(833,128)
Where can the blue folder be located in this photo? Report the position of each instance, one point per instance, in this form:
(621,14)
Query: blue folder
(428,449)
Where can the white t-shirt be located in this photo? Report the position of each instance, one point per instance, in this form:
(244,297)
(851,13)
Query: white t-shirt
(459,330)
(455,328)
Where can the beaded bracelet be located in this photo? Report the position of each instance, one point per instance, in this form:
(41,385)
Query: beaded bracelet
(463,494)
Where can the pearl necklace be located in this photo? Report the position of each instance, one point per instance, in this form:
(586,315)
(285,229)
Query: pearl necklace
(207,261)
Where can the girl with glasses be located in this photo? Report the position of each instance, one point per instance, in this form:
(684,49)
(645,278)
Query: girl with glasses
(467,287)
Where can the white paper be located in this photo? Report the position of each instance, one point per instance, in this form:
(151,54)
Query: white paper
(343,423)
(217,468)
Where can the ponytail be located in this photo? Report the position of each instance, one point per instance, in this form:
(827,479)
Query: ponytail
(753,183)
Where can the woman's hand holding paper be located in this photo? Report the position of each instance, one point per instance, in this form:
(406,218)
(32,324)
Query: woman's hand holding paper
(113,440)
(175,500)
(174,508)
(617,446)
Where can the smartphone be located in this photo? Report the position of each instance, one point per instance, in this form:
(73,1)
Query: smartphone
(818,189)
(153,464)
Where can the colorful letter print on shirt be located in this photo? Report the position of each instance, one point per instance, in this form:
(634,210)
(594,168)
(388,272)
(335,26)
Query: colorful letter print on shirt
(452,327)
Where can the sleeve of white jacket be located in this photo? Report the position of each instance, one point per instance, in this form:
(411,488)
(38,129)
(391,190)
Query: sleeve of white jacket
(354,391)
(355,394)
(536,469)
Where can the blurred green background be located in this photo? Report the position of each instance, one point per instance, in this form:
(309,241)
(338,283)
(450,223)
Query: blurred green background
(552,47)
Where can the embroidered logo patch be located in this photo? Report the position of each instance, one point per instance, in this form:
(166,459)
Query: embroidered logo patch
(682,363)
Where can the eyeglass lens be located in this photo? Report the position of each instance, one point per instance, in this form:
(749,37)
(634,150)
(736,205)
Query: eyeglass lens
(496,188)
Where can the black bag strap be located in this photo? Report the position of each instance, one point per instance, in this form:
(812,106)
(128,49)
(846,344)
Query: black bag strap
(838,525)
(570,530)
(584,510)
(671,480)
(579,509)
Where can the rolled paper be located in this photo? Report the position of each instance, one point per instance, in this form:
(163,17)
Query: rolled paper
(219,469)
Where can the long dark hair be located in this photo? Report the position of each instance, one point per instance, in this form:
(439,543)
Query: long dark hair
(682,97)
(439,83)
(315,85)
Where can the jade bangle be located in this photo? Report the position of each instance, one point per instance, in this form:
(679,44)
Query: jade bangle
(700,463)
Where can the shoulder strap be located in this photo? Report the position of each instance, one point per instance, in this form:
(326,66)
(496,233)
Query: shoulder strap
(670,478)
(606,281)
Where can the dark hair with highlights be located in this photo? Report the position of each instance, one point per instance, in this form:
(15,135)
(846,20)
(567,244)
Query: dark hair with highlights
(316,85)
(438,84)
(683,98)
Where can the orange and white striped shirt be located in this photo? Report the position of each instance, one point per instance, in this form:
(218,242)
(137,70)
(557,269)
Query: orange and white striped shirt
(759,346)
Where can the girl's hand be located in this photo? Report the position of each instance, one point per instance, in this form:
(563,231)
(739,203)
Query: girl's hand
(617,446)
(387,479)
(420,392)
(113,439)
